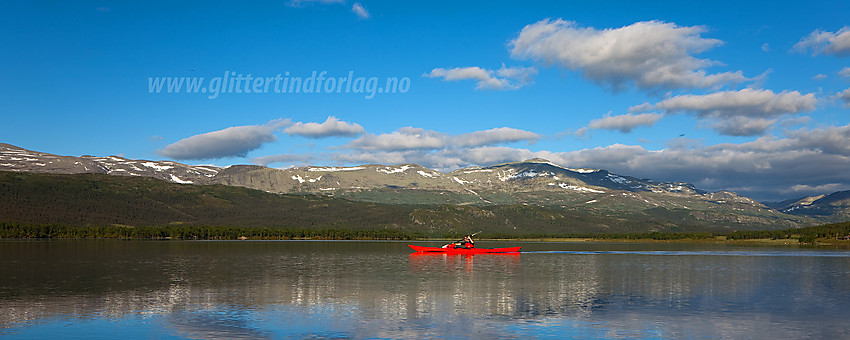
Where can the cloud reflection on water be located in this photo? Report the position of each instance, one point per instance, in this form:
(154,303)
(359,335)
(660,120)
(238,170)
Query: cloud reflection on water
(361,290)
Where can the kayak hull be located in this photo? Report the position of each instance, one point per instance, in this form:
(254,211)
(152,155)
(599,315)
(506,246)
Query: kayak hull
(421,249)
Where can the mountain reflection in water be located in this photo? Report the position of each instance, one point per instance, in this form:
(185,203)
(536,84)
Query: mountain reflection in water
(327,289)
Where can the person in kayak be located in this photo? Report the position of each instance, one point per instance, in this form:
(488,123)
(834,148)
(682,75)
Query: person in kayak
(467,242)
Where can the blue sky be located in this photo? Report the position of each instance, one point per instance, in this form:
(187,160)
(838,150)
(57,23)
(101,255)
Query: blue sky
(744,96)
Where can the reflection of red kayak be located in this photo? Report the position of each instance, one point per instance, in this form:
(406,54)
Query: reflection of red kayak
(463,250)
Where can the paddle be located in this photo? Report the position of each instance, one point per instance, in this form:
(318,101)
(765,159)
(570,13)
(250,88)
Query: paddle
(461,240)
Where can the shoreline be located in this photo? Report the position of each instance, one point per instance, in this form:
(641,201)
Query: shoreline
(717,240)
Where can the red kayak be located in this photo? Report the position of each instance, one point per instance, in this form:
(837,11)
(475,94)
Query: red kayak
(421,249)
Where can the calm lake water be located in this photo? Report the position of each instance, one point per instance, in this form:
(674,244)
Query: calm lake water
(340,290)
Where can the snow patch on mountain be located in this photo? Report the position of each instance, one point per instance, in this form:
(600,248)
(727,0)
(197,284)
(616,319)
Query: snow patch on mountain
(157,167)
(532,174)
(477,170)
(207,169)
(462,182)
(510,174)
(333,169)
(302,180)
(618,179)
(390,170)
(505,175)
(176,179)
(583,171)
(579,188)
(425,174)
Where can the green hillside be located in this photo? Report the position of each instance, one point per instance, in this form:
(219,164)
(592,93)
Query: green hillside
(92,200)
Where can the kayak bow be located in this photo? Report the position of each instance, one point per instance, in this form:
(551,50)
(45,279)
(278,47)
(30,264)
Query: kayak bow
(421,249)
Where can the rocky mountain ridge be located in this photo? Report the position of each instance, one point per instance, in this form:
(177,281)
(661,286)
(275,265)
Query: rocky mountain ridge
(13,158)
(532,182)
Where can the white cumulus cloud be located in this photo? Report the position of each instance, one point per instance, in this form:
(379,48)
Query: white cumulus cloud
(358,10)
(505,78)
(744,126)
(493,136)
(406,138)
(410,138)
(747,112)
(745,102)
(844,73)
(625,123)
(332,127)
(845,96)
(822,42)
(234,141)
(652,55)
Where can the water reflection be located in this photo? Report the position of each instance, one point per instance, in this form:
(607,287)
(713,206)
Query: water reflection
(424,262)
(212,324)
(378,289)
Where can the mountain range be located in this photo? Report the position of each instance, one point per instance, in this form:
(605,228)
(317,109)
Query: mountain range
(534,182)
(832,207)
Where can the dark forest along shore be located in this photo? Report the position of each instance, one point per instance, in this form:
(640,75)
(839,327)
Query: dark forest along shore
(381,289)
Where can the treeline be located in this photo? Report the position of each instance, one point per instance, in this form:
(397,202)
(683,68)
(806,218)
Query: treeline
(661,236)
(53,231)
(805,235)
(21,231)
